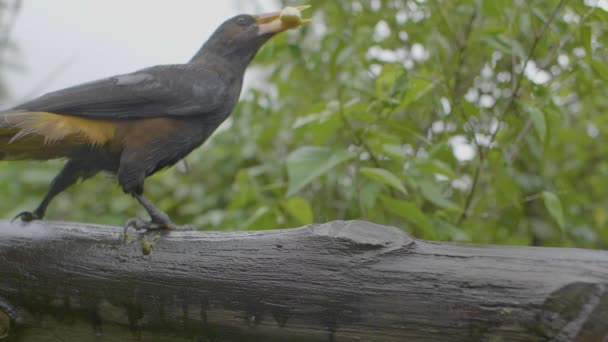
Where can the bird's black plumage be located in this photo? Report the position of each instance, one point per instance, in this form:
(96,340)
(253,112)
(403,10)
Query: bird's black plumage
(136,124)
(168,90)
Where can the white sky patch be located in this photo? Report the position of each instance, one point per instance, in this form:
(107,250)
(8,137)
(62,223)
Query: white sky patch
(487,101)
(447,107)
(484,140)
(419,53)
(537,75)
(472,95)
(592,130)
(563,61)
(408,64)
(462,149)
(487,72)
(389,56)
(571,17)
(603,4)
(382,32)
(376,5)
(503,77)
(375,69)
(579,52)
(440,178)
(438,127)
(463,184)
(401,17)
(486,86)
(497,93)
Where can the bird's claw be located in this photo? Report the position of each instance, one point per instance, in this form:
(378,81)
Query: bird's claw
(26,216)
(138,224)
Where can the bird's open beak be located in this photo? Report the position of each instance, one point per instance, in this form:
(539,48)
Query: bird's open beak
(280,21)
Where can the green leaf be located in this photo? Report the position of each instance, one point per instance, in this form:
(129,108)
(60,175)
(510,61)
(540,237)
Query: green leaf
(599,16)
(542,16)
(308,163)
(321,126)
(394,151)
(436,167)
(600,68)
(432,193)
(385,177)
(554,206)
(507,45)
(411,213)
(418,87)
(448,231)
(368,194)
(391,81)
(253,222)
(539,122)
(491,8)
(300,209)
(586,38)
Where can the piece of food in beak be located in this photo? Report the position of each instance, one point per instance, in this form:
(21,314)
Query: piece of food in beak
(292,16)
(288,18)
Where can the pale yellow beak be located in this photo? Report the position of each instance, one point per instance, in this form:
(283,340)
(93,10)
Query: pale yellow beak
(280,21)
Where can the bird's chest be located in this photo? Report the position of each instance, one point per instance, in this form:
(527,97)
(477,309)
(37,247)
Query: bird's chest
(158,143)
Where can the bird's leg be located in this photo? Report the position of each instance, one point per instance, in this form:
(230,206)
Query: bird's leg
(69,175)
(159,220)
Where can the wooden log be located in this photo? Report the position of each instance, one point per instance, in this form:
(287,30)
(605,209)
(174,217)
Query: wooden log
(341,281)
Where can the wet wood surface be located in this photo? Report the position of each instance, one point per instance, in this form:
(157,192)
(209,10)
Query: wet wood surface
(340,281)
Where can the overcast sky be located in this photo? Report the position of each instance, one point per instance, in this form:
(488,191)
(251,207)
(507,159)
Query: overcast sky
(66,42)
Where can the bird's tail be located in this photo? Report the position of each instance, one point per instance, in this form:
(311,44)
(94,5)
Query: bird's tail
(35,136)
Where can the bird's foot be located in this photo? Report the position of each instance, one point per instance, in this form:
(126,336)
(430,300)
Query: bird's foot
(138,223)
(27,216)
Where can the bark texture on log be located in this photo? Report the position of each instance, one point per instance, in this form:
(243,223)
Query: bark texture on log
(341,281)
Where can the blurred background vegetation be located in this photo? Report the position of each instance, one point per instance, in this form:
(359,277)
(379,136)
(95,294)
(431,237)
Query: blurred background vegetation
(470,120)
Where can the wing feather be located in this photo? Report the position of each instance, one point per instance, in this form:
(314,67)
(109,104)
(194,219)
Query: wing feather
(170,90)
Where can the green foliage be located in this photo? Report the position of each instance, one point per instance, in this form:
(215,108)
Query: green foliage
(309,163)
(384,176)
(479,121)
(554,206)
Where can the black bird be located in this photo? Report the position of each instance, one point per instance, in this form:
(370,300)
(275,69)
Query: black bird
(136,124)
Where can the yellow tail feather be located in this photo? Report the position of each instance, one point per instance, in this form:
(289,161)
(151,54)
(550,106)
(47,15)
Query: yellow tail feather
(42,135)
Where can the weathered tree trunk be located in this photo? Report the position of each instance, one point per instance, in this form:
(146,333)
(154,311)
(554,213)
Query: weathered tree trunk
(342,281)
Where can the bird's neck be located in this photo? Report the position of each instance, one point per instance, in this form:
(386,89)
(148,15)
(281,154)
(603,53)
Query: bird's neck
(228,68)
(231,60)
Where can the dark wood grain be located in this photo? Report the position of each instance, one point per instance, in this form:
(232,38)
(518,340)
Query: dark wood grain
(341,281)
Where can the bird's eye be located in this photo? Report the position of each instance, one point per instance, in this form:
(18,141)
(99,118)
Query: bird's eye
(242,21)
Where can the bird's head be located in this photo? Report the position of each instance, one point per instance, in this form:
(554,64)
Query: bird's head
(242,36)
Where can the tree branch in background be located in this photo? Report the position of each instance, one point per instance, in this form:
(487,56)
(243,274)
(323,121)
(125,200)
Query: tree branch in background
(511,102)
(544,64)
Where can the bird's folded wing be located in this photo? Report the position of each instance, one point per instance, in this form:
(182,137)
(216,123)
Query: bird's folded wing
(170,90)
